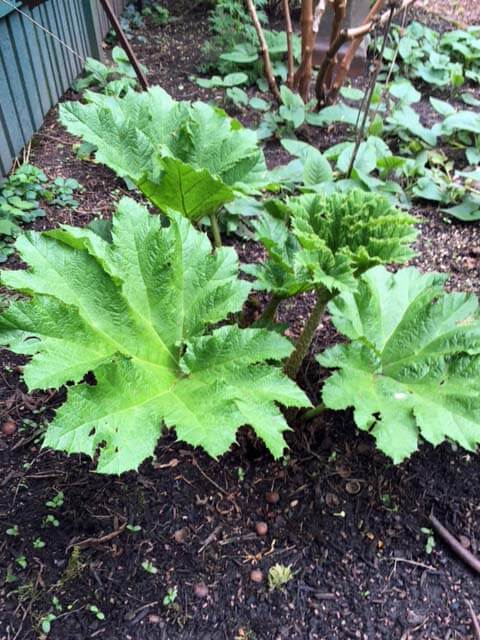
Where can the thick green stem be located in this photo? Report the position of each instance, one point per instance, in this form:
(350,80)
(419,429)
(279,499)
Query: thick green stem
(268,315)
(217,239)
(303,343)
(313,413)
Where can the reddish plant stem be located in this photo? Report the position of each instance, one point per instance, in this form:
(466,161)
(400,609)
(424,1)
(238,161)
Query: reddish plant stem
(304,71)
(267,62)
(289,34)
(327,95)
(340,12)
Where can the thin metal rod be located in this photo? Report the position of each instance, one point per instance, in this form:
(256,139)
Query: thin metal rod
(125,43)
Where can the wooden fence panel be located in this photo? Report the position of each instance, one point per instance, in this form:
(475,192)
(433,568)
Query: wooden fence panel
(36,69)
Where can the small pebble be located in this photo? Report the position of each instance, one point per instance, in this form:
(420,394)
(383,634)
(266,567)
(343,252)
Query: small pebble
(180,535)
(201,590)
(256,576)
(8,428)
(154,619)
(261,528)
(272,497)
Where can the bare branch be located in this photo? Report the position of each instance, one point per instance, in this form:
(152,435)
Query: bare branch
(289,34)
(267,63)
(326,94)
(337,38)
(304,72)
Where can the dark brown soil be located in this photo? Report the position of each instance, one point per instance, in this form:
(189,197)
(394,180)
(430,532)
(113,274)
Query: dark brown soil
(351,525)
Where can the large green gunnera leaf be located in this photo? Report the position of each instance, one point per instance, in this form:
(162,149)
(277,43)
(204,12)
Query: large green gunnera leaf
(177,153)
(325,242)
(412,368)
(138,313)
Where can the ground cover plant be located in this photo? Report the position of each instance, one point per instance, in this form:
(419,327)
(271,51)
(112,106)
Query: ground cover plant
(21,198)
(112,80)
(135,341)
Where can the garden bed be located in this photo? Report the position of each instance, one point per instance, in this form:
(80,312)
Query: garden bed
(352,525)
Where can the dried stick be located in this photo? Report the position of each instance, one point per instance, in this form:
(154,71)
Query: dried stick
(267,63)
(475,623)
(468,557)
(289,34)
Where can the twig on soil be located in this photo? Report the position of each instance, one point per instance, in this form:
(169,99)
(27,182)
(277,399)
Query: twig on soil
(210,538)
(475,623)
(224,491)
(92,542)
(468,557)
(412,562)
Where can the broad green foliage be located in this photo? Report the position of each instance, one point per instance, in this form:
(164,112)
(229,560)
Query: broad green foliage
(230,80)
(412,369)
(325,242)
(293,108)
(440,60)
(150,139)
(138,313)
(245,57)
(230,25)
(22,195)
(113,80)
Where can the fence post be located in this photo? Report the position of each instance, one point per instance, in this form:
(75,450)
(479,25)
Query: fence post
(93,28)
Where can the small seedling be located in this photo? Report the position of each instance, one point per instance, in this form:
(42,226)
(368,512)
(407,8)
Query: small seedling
(46,623)
(279,575)
(38,543)
(96,611)
(22,562)
(56,502)
(134,528)
(170,597)
(149,567)
(13,531)
(430,543)
(10,576)
(56,604)
(51,520)
(241,474)
(387,501)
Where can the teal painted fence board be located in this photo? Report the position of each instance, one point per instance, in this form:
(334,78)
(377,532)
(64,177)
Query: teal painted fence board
(36,70)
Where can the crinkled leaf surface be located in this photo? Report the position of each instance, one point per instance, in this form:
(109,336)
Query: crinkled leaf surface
(326,241)
(134,135)
(137,313)
(195,193)
(413,367)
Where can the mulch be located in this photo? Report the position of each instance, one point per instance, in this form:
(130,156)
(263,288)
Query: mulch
(352,526)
